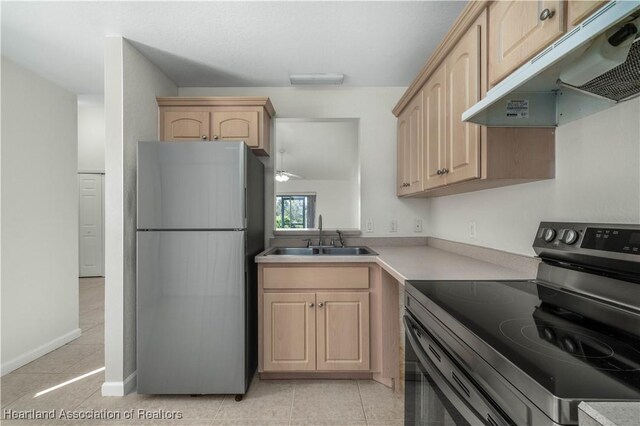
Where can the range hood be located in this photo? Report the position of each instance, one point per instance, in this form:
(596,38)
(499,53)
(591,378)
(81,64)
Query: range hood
(592,67)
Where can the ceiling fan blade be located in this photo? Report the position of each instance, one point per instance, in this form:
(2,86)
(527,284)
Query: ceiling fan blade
(292,175)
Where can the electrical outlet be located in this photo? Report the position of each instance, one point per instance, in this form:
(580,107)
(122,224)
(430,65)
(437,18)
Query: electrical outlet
(417,225)
(393,225)
(369,225)
(473,231)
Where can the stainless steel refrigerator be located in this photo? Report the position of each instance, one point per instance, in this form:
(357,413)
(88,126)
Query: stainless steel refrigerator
(200,223)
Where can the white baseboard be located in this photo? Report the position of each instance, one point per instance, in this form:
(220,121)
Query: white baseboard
(36,353)
(119,388)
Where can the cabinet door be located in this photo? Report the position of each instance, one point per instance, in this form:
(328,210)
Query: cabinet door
(517,32)
(434,129)
(184,125)
(343,331)
(289,332)
(578,10)
(414,160)
(463,91)
(236,125)
(403,154)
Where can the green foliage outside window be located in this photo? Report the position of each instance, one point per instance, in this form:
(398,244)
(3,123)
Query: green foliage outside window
(295,211)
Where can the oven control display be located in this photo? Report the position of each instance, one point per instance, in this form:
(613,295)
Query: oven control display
(618,240)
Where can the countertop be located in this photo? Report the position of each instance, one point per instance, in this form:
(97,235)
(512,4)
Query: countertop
(609,413)
(424,262)
(416,263)
(428,263)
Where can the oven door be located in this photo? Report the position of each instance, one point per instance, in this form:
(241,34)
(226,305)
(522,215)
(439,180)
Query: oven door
(440,394)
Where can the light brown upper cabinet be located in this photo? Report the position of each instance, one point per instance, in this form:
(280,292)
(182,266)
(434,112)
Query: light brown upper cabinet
(451,147)
(578,10)
(463,70)
(434,145)
(184,125)
(217,119)
(518,30)
(457,156)
(403,154)
(410,148)
(236,125)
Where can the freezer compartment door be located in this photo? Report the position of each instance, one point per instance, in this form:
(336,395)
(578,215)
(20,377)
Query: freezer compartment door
(191,312)
(191,185)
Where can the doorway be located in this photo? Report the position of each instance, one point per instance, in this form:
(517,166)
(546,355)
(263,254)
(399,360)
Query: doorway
(91,222)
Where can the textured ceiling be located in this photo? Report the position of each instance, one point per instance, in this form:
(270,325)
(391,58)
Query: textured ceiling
(229,43)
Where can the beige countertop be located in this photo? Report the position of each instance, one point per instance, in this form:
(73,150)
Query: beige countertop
(416,263)
(428,263)
(609,413)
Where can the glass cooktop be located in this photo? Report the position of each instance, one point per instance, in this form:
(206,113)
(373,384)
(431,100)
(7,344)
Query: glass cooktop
(570,355)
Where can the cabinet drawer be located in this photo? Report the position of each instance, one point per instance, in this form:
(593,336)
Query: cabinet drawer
(316,277)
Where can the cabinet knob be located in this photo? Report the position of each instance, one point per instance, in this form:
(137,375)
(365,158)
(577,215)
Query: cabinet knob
(215,136)
(203,137)
(445,171)
(311,305)
(320,305)
(547,14)
(439,172)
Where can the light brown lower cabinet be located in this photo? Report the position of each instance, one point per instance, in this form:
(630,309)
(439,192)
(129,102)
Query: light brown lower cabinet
(342,331)
(323,331)
(289,332)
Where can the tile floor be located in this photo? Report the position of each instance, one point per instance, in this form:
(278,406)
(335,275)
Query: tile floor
(269,402)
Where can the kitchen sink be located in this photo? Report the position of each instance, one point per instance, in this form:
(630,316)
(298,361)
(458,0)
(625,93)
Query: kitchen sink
(293,251)
(348,251)
(321,251)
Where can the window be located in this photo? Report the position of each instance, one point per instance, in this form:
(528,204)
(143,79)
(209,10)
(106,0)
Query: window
(295,211)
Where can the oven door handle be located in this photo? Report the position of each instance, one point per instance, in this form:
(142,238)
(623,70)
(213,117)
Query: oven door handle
(470,412)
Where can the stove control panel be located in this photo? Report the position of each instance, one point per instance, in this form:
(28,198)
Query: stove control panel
(620,241)
(612,239)
(560,234)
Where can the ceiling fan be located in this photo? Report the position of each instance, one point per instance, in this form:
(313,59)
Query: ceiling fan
(282,175)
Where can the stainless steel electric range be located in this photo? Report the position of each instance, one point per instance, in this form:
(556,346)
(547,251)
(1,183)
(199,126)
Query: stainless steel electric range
(528,352)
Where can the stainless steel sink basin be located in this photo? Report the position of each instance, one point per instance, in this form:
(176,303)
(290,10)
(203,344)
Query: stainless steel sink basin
(348,251)
(321,251)
(293,251)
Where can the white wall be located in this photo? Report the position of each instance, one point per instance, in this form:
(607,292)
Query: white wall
(597,180)
(377,149)
(39,216)
(335,200)
(91,135)
(131,114)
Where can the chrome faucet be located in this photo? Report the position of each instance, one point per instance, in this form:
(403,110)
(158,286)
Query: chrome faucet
(340,237)
(320,230)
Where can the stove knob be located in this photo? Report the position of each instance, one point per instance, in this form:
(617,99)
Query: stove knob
(570,237)
(549,235)
(549,334)
(569,345)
